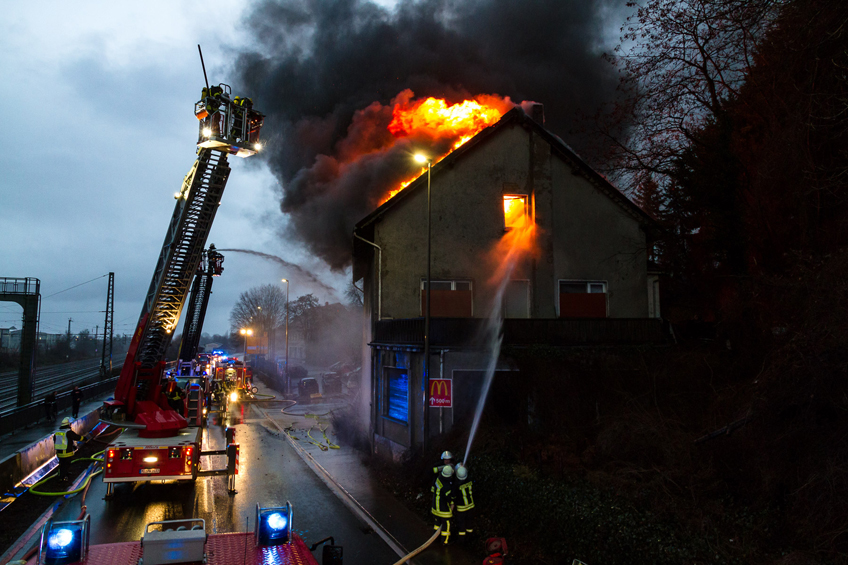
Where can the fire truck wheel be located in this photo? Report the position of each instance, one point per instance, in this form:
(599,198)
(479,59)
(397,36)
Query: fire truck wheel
(254,390)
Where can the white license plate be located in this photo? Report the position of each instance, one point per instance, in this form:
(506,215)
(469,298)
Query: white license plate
(149,471)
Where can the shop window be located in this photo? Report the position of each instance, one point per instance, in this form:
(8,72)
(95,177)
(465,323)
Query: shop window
(515,210)
(582,299)
(450,299)
(396,406)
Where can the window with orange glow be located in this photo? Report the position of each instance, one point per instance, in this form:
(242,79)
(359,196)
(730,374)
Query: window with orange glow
(515,210)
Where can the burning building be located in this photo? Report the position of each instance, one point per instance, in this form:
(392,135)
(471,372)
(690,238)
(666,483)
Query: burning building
(522,230)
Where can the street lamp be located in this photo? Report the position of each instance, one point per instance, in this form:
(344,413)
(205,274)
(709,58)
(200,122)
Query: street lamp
(245,332)
(423,159)
(288,380)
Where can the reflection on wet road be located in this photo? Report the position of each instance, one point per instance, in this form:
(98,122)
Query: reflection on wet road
(270,474)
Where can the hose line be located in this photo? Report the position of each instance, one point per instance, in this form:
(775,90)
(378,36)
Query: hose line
(427,544)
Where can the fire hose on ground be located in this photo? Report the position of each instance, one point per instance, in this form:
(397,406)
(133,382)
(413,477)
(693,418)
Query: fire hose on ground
(92,471)
(427,544)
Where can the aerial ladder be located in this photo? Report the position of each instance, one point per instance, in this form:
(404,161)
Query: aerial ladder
(211,265)
(228,126)
(193,374)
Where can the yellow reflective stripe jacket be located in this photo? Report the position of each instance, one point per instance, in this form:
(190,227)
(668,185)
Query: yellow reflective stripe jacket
(467,497)
(60,443)
(441,500)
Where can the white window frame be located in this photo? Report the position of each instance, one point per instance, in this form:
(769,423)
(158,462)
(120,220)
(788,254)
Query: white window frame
(453,287)
(587,282)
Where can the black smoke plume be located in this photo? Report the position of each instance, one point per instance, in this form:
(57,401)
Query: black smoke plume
(323,65)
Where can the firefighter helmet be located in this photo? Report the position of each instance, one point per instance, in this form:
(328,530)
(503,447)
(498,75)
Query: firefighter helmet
(447,471)
(461,472)
(447,455)
(66,422)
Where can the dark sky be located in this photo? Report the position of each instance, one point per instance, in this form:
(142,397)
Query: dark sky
(317,63)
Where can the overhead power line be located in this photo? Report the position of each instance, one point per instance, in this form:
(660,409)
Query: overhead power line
(76,285)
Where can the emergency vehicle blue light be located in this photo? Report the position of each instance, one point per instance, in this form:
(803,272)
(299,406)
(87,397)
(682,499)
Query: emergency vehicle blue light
(273,525)
(277,521)
(64,544)
(59,539)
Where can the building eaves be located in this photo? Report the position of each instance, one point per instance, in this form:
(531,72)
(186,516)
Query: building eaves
(578,165)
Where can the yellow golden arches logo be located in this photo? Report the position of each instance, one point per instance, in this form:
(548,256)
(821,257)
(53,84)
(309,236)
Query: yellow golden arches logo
(439,387)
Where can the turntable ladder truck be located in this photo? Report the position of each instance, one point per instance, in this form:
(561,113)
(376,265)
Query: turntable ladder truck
(158,442)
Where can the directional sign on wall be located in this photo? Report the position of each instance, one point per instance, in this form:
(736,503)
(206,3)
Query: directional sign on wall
(441,393)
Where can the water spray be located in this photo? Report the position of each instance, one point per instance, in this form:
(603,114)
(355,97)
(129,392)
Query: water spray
(515,247)
(288,265)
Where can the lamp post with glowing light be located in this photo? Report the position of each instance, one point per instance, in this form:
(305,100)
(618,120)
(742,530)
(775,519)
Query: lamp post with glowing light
(423,159)
(245,332)
(288,381)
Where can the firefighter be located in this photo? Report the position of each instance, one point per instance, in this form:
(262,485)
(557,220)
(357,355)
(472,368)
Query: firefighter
(212,100)
(175,396)
(240,107)
(442,506)
(464,501)
(447,459)
(63,443)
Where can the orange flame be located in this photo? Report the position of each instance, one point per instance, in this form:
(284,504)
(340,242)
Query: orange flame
(436,120)
(519,243)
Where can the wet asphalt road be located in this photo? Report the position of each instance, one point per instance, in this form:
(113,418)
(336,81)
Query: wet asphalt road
(271,472)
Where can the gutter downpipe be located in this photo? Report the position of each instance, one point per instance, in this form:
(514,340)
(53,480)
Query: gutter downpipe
(379,274)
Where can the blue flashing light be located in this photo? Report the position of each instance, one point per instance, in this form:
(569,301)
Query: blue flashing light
(273,525)
(277,521)
(64,544)
(60,539)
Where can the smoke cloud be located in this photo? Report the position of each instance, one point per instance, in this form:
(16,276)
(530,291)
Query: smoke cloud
(327,73)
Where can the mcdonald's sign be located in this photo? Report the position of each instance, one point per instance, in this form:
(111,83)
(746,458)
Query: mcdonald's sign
(441,393)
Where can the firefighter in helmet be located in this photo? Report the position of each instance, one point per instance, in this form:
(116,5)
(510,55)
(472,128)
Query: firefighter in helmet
(442,506)
(464,501)
(175,395)
(241,106)
(447,459)
(211,98)
(63,443)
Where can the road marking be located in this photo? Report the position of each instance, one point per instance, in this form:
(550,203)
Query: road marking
(340,492)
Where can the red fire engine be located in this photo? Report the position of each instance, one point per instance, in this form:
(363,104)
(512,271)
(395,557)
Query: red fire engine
(186,541)
(163,435)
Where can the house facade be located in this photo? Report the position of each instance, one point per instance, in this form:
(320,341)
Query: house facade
(582,274)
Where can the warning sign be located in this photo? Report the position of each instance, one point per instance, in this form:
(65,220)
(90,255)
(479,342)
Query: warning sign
(441,393)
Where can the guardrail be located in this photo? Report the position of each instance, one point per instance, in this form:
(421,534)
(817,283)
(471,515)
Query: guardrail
(32,413)
(525,332)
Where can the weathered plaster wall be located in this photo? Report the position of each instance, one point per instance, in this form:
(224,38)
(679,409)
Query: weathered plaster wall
(595,239)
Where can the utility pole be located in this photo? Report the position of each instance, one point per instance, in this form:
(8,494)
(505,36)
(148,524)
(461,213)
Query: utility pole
(108,328)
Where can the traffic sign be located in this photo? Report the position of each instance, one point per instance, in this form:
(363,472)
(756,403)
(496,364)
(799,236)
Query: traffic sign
(441,393)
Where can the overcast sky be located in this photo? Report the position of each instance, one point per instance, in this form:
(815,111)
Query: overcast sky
(99,132)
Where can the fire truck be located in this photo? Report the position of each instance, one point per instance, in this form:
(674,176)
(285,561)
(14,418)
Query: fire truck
(186,542)
(162,439)
(233,381)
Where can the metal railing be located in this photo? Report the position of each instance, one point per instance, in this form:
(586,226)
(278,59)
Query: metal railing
(34,412)
(18,285)
(525,332)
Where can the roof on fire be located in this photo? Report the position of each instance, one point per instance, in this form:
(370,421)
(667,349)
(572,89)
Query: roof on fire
(558,146)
